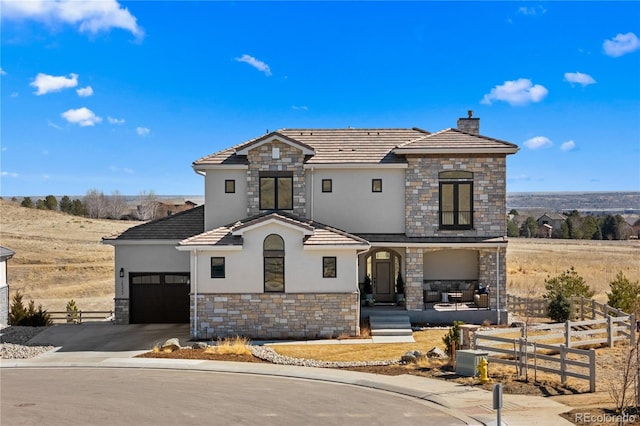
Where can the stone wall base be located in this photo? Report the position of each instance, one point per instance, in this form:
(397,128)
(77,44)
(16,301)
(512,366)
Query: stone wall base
(121,311)
(276,316)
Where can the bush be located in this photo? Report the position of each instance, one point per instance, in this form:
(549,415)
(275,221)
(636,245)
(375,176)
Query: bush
(568,284)
(72,312)
(30,316)
(625,294)
(453,336)
(559,308)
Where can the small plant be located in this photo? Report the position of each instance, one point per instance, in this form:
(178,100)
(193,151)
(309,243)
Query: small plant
(568,284)
(452,337)
(231,346)
(625,294)
(73,315)
(399,284)
(30,316)
(559,308)
(367,285)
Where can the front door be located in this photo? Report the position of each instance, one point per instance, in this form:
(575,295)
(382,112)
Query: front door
(383,288)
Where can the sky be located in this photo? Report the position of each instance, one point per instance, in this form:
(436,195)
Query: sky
(124,96)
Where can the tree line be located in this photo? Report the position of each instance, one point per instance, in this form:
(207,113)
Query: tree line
(96,205)
(575,226)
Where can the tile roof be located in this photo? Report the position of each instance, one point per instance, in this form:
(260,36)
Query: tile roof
(322,234)
(331,146)
(403,239)
(175,227)
(454,140)
(6,253)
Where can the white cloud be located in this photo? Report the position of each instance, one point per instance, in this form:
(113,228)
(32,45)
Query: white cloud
(516,92)
(2,72)
(89,15)
(621,45)
(112,120)
(84,92)
(81,116)
(49,83)
(54,125)
(568,146)
(300,108)
(142,131)
(579,78)
(9,174)
(532,11)
(538,142)
(256,63)
(128,170)
(14,94)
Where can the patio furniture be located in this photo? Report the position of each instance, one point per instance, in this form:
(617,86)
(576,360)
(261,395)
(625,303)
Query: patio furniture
(455,297)
(481,300)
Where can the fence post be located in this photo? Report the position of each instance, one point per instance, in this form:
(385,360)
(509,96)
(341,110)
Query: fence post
(592,370)
(610,331)
(563,366)
(632,329)
(567,333)
(581,308)
(593,309)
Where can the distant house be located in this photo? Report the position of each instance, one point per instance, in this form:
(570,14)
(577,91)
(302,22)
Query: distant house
(168,208)
(5,254)
(549,222)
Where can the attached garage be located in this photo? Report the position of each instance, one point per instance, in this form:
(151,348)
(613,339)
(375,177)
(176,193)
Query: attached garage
(159,298)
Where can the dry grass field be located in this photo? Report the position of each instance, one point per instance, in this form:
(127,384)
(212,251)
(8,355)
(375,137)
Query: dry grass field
(60,257)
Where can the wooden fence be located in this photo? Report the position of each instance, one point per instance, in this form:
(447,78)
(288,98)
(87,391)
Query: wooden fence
(529,307)
(526,355)
(586,333)
(80,316)
(583,308)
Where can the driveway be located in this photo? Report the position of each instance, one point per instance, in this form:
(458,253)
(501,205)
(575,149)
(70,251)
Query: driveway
(108,337)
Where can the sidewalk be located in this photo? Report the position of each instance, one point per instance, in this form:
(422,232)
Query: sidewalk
(471,405)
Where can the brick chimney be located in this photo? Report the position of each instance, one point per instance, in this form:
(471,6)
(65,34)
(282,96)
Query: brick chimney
(469,124)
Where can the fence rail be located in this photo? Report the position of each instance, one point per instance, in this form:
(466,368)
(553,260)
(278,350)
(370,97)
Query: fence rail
(527,306)
(80,316)
(588,308)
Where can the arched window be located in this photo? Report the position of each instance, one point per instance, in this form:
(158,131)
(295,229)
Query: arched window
(273,253)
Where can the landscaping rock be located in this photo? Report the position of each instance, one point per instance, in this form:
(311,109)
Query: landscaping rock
(199,345)
(437,353)
(517,324)
(171,345)
(412,357)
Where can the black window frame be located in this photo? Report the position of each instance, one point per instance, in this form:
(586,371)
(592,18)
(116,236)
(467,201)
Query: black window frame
(276,176)
(269,255)
(229,186)
(218,268)
(451,220)
(332,259)
(329,188)
(378,187)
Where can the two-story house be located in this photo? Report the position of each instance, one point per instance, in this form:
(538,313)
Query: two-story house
(296,220)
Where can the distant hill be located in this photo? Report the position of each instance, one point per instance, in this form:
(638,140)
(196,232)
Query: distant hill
(615,202)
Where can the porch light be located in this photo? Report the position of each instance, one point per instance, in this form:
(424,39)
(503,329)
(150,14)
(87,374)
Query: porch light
(121,272)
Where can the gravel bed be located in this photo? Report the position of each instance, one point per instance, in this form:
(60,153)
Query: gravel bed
(13,343)
(268,354)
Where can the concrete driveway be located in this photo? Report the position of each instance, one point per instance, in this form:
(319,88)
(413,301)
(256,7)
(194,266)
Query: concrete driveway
(108,337)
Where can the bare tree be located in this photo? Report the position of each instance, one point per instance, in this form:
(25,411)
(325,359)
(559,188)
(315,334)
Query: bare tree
(117,205)
(95,204)
(621,387)
(147,205)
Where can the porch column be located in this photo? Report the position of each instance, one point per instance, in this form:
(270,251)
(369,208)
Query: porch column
(414,270)
(493,273)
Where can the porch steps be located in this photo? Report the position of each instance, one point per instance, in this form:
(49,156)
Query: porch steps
(390,325)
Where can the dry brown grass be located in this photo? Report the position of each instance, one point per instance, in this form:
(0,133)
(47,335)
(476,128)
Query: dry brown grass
(59,257)
(425,340)
(231,346)
(531,260)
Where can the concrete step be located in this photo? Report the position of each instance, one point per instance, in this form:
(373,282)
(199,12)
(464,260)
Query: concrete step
(390,325)
(392,332)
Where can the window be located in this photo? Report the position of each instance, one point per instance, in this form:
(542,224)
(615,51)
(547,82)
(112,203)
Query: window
(327,185)
(376,185)
(329,267)
(456,200)
(229,186)
(273,252)
(276,191)
(217,267)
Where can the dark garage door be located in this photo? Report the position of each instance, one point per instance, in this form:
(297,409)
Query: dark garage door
(158,298)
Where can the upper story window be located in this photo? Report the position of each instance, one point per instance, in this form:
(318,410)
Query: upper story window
(456,199)
(276,191)
(376,185)
(230,186)
(273,255)
(327,185)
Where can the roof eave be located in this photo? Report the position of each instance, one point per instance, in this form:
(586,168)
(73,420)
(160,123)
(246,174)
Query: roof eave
(456,151)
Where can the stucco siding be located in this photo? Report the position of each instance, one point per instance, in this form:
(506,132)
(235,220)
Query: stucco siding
(451,265)
(223,208)
(303,268)
(352,206)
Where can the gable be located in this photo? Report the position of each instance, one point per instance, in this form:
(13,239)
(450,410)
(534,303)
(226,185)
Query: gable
(272,137)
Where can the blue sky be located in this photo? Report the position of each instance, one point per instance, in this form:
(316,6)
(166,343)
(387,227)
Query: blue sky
(126,95)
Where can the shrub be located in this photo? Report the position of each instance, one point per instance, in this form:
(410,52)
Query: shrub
(559,308)
(568,284)
(399,284)
(72,311)
(30,316)
(625,294)
(453,336)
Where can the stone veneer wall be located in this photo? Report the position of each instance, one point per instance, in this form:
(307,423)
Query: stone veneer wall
(277,315)
(4,306)
(422,195)
(414,272)
(291,160)
(487,276)
(121,311)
